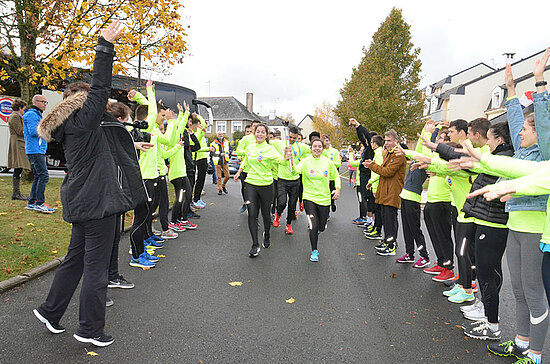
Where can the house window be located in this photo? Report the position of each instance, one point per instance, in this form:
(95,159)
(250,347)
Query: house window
(209,129)
(433,106)
(220,127)
(237,126)
(497,97)
(426,107)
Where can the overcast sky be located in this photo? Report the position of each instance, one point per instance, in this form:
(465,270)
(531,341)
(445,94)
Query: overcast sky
(293,55)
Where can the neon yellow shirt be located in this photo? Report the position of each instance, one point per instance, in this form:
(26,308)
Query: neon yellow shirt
(316,175)
(259,159)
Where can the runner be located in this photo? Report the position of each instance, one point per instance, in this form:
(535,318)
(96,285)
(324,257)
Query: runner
(374,230)
(220,152)
(317,171)
(334,155)
(258,159)
(245,141)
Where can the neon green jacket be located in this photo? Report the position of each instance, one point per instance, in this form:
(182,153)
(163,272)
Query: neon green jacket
(316,175)
(334,155)
(259,159)
(299,151)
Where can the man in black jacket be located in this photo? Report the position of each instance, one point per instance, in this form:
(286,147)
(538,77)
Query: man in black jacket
(364,173)
(103,180)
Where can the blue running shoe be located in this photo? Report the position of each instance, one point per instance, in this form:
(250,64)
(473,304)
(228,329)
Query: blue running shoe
(461,296)
(314,256)
(152,242)
(44,209)
(30,206)
(156,238)
(150,257)
(201,203)
(456,288)
(141,262)
(243,208)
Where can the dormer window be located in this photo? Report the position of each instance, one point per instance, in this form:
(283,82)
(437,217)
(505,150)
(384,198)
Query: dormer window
(497,96)
(426,107)
(428,90)
(433,102)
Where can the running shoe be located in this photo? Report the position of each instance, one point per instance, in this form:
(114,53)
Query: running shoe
(333,207)
(421,263)
(288,230)
(109,302)
(220,192)
(30,206)
(120,282)
(483,332)
(44,209)
(461,297)
(52,327)
(435,270)
(444,276)
(475,315)
(150,257)
(156,232)
(456,288)
(157,238)
(526,360)
(243,208)
(188,225)
(374,235)
(169,235)
(405,259)
(507,348)
(276,221)
(254,251)
(381,246)
(153,243)
(468,325)
(141,262)
(314,256)
(149,249)
(477,303)
(266,243)
(176,227)
(475,288)
(224,190)
(101,341)
(200,203)
(193,215)
(358,221)
(388,250)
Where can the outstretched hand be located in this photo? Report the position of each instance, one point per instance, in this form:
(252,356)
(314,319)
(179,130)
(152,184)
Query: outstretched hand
(353,122)
(468,148)
(427,143)
(504,192)
(131,95)
(509,80)
(540,65)
(113,31)
(462,163)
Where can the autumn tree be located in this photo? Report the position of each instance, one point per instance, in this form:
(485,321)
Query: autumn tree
(42,41)
(383,91)
(325,121)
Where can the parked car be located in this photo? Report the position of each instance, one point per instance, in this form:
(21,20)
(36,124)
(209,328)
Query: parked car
(234,164)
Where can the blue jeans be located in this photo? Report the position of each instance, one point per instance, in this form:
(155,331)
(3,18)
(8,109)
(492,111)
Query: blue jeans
(214,177)
(41,178)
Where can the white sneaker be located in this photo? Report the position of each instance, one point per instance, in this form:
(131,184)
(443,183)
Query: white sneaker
(476,314)
(475,306)
(169,235)
(157,232)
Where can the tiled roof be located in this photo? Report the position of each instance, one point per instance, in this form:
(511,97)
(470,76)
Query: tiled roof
(228,108)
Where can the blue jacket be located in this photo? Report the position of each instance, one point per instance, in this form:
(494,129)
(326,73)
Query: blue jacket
(532,153)
(33,143)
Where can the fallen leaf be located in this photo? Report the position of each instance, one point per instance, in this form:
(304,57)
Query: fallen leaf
(362,258)
(3,213)
(54,251)
(236,284)
(393,275)
(161,256)
(30,224)
(290,300)
(57,201)
(92,353)
(361,254)
(211,203)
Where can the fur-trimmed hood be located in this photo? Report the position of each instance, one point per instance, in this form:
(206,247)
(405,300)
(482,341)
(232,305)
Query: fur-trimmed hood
(59,114)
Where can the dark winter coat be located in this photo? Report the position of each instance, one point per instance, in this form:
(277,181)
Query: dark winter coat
(103,175)
(478,207)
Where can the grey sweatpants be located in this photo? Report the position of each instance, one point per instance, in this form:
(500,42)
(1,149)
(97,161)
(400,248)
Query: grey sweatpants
(524,262)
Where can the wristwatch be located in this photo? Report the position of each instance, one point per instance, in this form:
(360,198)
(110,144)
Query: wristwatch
(540,83)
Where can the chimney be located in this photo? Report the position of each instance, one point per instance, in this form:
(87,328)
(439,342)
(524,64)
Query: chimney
(509,57)
(249,101)
(272,115)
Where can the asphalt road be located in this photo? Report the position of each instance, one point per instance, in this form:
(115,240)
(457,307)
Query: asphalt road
(352,306)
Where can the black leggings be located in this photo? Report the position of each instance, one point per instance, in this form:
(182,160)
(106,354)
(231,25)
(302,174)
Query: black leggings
(465,252)
(438,218)
(162,203)
(242,177)
(546,274)
(17,172)
(182,202)
(258,197)
(202,168)
(317,220)
(489,248)
(275,200)
(113,265)
(153,190)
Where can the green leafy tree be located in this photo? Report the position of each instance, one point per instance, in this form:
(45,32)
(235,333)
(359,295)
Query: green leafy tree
(383,91)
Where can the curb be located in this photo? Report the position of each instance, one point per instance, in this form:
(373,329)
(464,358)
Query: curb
(30,275)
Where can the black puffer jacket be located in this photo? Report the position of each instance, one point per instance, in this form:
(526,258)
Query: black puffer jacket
(103,175)
(478,207)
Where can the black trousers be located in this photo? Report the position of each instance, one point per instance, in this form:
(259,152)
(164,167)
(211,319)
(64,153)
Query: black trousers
(275,200)
(363,193)
(389,216)
(258,198)
(465,252)
(88,258)
(181,206)
(153,190)
(191,176)
(378,218)
(410,218)
(242,177)
(113,265)
(202,168)
(317,216)
(438,218)
(287,192)
(489,249)
(162,202)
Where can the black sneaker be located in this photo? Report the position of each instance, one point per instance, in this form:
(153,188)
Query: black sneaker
(254,251)
(120,282)
(507,348)
(109,302)
(483,332)
(266,242)
(469,325)
(388,250)
(104,340)
(381,246)
(193,215)
(224,190)
(54,328)
(333,207)
(373,235)
(220,192)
